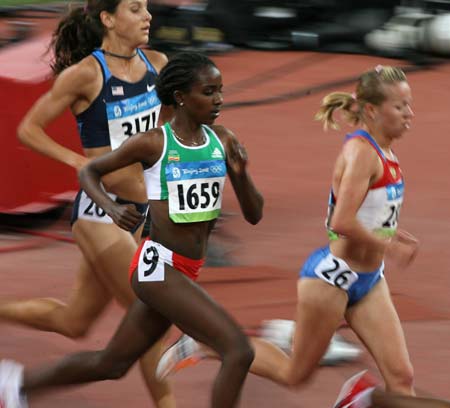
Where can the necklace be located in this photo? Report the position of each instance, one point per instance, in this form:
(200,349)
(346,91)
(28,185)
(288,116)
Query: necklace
(189,142)
(126,57)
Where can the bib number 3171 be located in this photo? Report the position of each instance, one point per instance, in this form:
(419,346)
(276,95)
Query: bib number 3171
(336,272)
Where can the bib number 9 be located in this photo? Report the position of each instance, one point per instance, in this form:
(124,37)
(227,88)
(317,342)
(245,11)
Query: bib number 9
(151,265)
(150,258)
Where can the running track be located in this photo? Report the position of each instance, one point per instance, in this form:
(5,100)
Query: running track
(290,159)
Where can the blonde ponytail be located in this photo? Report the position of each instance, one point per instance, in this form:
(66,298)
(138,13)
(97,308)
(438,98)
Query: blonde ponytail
(370,89)
(337,101)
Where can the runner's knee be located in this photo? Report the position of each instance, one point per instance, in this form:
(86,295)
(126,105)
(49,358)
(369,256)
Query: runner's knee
(297,379)
(239,352)
(401,378)
(76,331)
(75,328)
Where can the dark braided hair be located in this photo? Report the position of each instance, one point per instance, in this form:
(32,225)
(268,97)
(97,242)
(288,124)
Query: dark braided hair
(180,73)
(79,33)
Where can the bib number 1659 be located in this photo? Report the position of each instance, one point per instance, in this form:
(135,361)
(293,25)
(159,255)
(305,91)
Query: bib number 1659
(204,195)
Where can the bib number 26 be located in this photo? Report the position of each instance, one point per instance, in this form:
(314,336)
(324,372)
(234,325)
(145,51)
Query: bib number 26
(94,210)
(336,272)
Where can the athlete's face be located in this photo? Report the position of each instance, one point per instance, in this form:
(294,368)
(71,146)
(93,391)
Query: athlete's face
(131,21)
(205,99)
(395,114)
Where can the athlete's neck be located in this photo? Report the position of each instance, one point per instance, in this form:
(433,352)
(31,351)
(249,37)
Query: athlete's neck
(121,56)
(192,135)
(116,49)
(383,142)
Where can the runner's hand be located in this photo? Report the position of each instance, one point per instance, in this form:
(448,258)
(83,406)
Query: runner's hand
(403,249)
(237,157)
(125,216)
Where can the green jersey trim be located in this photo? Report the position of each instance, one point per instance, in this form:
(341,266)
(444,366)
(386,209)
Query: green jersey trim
(195,217)
(191,178)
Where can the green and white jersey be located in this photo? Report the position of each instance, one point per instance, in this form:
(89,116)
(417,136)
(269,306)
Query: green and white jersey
(191,178)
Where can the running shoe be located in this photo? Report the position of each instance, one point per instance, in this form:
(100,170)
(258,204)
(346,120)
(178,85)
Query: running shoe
(340,351)
(11,377)
(355,391)
(280,332)
(185,352)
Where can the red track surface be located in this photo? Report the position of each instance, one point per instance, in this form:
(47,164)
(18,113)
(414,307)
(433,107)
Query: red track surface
(291,160)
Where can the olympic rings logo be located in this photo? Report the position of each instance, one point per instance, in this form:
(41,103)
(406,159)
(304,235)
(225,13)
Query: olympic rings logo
(216,169)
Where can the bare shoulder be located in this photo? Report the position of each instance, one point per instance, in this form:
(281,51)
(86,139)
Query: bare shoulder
(150,144)
(359,149)
(157,59)
(359,158)
(88,68)
(153,140)
(79,77)
(155,135)
(225,135)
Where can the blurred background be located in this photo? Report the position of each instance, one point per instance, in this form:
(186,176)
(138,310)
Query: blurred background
(278,59)
(417,31)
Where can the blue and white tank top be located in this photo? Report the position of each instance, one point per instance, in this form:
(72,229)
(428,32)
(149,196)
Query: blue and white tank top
(121,110)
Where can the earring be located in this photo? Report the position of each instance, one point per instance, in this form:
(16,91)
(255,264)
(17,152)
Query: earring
(181,103)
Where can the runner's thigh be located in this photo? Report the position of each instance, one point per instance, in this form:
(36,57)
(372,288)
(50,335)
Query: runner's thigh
(189,307)
(109,250)
(139,330)
(374,319)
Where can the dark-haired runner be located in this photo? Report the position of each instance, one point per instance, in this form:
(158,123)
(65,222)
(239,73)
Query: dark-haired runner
(108,83)
(188,160)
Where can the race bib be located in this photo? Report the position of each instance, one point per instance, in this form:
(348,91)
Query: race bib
(195,190)
(130,116)
(151,264)
(89,210)
(394,195)
(336,272)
